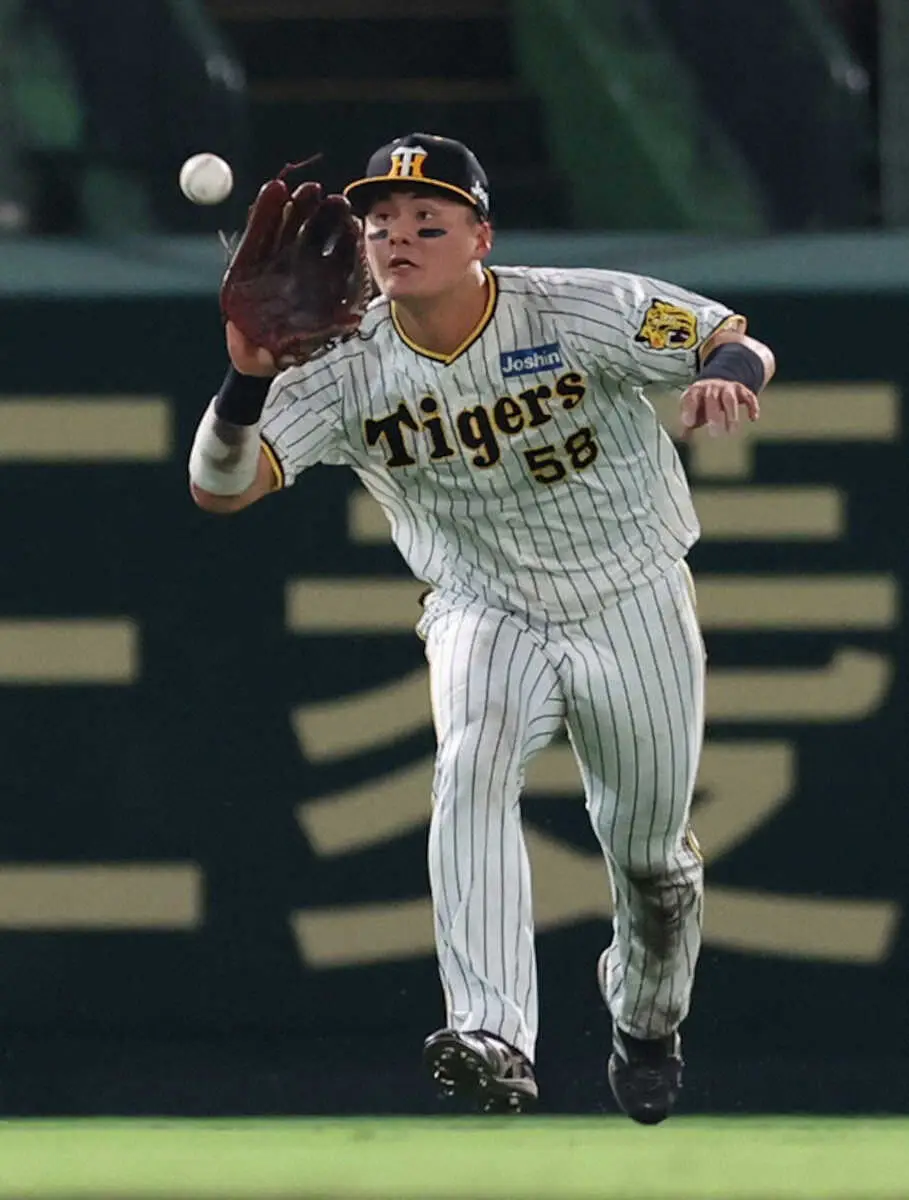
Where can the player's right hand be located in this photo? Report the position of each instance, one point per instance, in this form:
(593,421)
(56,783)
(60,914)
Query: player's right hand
(247,358)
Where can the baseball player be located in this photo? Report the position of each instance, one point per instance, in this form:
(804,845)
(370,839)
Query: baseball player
(499,418)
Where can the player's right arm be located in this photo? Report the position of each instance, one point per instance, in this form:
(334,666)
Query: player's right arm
(253,437)
(229,468)
(265,481)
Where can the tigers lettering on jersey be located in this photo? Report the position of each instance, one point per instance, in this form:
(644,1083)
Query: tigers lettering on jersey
(475,428)
(594,499)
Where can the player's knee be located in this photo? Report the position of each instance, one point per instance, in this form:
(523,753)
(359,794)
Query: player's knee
(649,860)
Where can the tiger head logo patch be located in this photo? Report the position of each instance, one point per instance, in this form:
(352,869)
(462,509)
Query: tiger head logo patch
(668,327)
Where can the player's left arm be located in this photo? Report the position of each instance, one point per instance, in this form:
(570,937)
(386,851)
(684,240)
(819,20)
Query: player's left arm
(734,370)
(657,333)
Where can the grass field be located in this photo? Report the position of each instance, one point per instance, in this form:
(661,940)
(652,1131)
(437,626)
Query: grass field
(434,1159)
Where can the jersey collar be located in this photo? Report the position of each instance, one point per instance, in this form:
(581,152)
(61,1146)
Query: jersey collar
(474,334)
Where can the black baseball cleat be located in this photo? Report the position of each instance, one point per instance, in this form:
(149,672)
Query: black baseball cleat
(480,1067)
(645,1075)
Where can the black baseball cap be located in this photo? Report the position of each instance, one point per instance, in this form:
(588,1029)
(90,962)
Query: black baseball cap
(423,160)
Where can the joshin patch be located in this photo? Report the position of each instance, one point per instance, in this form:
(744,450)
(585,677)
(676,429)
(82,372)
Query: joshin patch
(668,327)
(531,360)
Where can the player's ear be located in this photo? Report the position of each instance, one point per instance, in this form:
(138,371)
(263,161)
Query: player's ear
(484,238)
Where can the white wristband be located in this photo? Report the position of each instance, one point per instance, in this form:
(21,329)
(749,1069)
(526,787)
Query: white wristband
(224,459)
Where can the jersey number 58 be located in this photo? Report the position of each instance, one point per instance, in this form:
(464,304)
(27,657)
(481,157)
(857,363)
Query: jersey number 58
(547,462)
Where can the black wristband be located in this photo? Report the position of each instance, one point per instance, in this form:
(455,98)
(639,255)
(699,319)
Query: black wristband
(241,398)
(734,362)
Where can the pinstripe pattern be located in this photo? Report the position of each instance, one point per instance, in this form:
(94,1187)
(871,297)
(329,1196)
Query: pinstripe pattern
(478,867)
(638,761)
(495,532)
(558,598)
(628,683)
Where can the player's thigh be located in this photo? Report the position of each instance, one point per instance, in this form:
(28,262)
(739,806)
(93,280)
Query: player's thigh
(635,712)
(491,685)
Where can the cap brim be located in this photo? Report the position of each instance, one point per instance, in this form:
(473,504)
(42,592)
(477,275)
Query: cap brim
(367,190)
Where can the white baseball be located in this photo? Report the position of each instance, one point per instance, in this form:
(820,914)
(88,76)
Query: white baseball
(206,179)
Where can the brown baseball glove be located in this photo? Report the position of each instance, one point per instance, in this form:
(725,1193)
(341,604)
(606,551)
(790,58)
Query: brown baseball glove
(297,281)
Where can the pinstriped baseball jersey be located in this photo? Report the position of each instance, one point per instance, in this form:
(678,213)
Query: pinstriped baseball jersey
(527,469)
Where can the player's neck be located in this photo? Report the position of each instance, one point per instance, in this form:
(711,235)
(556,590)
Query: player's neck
(441,324)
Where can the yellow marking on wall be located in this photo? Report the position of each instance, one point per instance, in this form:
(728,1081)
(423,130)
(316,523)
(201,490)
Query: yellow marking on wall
(352,724)
(811,412)
(367,525)
(819,928)
(571,886)
(774,514)
(370,814)
(399,803)
(101,896)
(353,605)
(69,651)
(853,686)
(740,785)
(361,934)
(740,602)
(74,429)
(733,513)
(822,602)
(554,772)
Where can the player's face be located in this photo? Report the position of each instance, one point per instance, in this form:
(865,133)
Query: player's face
(422,245)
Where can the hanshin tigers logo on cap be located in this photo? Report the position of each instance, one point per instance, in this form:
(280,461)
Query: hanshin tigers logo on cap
(422,160)
(407,162)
